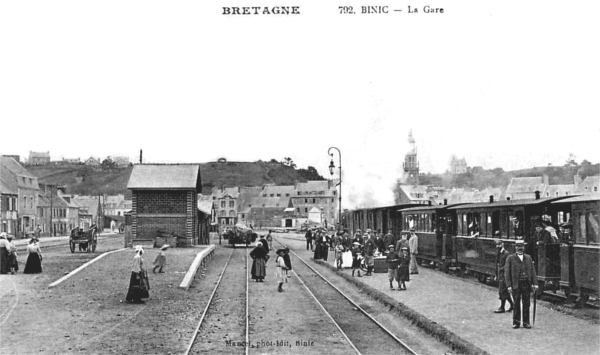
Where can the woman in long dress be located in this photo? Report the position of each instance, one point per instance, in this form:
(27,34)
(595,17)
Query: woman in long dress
(34,258)
(138,282)
(4,253)
(259,263)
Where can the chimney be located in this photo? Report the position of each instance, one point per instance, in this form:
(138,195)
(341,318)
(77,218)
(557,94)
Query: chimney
(537,195)
(445,202)
(140,156)
(491,198)
(576,181)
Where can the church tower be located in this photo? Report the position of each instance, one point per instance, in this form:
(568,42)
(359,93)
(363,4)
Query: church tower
(411,164)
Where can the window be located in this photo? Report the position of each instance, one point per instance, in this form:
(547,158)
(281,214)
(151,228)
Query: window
(305,200)
(264,195)
(278,195)
(223,204)
(214,197)
(298,209)
(299,193)
(314,200)
(24,201)
(593,234)
(231,204)
(244,216)
(306,210)
(31,202)
(287,195)
(272,195)
(596,188)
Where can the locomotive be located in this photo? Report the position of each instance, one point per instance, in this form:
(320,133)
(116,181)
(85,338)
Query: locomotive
(463,237)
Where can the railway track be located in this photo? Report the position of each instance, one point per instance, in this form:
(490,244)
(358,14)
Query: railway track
(362,331)
(223,326)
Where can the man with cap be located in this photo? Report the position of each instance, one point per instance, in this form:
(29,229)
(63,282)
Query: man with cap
(369,249)
(392,260)
(379,242)
(502,290)
(413,246)
(521,279)
(309,239)
(358,237)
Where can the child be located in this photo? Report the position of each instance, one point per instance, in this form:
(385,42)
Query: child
(161,259)
(392,260)
(281,268)
(356,257)
(339,252)
(403,273)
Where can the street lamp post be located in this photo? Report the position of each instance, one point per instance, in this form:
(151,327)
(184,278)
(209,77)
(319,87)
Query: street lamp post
(331,168)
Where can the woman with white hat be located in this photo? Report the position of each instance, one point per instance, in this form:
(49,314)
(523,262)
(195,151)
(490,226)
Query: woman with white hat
(138,283)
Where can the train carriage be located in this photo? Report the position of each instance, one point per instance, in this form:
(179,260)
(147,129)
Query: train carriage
(478,226)
(434,228)
(578,254)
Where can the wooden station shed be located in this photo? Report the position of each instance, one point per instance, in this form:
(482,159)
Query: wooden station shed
(165,204)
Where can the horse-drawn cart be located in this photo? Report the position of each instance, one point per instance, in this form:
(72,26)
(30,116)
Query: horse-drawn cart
(86,240)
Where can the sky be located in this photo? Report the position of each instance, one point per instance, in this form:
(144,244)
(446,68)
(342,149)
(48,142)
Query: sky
(502,84)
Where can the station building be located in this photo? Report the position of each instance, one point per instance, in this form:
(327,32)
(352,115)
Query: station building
(165,204)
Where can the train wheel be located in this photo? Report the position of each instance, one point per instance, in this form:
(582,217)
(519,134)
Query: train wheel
(72,246)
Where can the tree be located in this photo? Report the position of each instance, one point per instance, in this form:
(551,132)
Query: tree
(289,162)
(108,163)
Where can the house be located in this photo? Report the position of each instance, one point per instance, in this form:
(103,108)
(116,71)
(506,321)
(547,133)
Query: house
(56,215)
(521,188)
(90,205)
(8,206)
(320,194)
(121,161)
(16,176)
(249,197)
(39,158)
(589,186)
(206,212)
(225,200)
(165,203)
(91,161)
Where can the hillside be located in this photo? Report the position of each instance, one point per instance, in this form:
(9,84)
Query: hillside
(84,180)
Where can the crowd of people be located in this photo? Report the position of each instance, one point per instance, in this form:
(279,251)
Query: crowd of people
(364,248)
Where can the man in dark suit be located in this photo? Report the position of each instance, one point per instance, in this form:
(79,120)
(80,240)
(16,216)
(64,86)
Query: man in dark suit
(520,280)
(502,290)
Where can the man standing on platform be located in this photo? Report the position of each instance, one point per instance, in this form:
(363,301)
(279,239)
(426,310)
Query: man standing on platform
(520,280)
(502,290)
(413,246)
(309,238)
(370,248)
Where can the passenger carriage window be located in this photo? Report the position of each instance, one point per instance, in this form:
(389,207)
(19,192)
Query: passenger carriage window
(433,222)
(592,227)
(496,224)
(581,236)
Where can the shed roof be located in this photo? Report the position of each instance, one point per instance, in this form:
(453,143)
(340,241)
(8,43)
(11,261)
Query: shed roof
(166,177)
